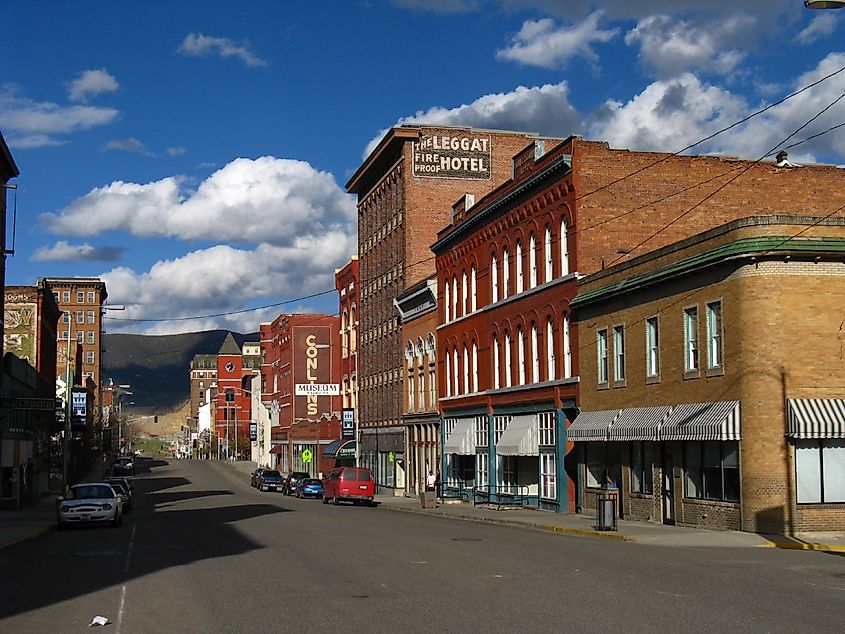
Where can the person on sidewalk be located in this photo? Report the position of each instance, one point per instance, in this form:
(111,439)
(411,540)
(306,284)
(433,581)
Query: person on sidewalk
(431,482)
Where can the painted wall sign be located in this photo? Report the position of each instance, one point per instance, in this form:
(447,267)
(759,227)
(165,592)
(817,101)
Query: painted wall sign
(446,156)
(312,370)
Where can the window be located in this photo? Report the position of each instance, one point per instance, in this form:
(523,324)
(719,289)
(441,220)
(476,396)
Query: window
(652,345)
(65,296)
(482,427)
(411,392)
(642,477)
(548,476)
(473,294)
(547,254)
(500,425)
(454,297)
(344,334)
(80,297)
(90,297)
(474,367)
(546,428)
(519,278)
(421,389)
(508,373)
(80,336)
(56,296)
(550,351)
(567,349)
(455,374)
(66,317)
(714,335)
(495,363)
(448,374)
(564,248)
(80,317)
(446,302)
(494,274)
(520,345)
(691,339)
(601,340)
(532,261)
(535,355)
(464,294)
(90,316)
(230,396)
(466,371)
(711,470)
(482,461)
(820,471)
(90,336)
(619,353)
(506,273)
(432,392)
(89,357)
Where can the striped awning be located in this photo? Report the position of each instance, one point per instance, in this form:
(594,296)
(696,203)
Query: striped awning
(462,439)
(521,437)
(639,423)
(703,421)
(592,426)
(816,418)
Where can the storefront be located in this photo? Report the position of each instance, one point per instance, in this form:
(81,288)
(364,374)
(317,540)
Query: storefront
(383,452)
(340,453)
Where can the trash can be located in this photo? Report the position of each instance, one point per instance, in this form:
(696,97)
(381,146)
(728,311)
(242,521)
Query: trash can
(428,499)
(606,512)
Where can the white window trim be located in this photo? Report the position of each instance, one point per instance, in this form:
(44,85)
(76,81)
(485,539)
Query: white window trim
(494,275)
(535,355)
(564,247)
(532,261)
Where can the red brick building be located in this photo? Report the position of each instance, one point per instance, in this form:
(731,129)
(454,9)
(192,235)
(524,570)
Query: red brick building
(233,399)
(302,350)
(346,283)
(405,189)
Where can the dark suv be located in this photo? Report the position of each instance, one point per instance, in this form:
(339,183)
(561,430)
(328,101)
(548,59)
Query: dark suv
(292,480)
(270,480)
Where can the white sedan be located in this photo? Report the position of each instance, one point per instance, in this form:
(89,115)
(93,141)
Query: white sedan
(90,503)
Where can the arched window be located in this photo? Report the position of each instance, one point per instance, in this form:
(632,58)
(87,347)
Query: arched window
(344,334)
(520,346)
(346,393)
(496,368)
(474,292)
(409,355)
(455,297)
(564,248)
(455,374)
(535,355)
(547,254)
(446,299)
(353,328)
(567,349)
(466,371)
(448,374)
(494,278)
(519,278)
(354,395)
(506,273)
(532,261)
(464,294)
(230,396)
(550,351)
(474,367)
(508,372)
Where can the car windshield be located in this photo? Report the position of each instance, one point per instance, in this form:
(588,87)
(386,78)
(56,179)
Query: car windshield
(88,491)
(311,482)
(272,474)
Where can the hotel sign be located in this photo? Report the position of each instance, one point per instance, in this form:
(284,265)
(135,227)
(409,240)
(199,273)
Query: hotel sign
(445,156)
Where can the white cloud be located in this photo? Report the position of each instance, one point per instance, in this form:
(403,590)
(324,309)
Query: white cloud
(131,145)
(541,43)
(266,200)
(821,26)
(176,151)
(28,123)
(92,83)
(542,109)
(63,251)
(199,45)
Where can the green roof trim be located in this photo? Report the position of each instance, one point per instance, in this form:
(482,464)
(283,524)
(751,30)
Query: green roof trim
(747,247)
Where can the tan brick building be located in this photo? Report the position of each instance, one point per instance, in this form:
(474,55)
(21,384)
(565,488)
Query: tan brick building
(405,190)
(712,377)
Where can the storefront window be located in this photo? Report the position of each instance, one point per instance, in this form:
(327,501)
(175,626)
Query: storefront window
(641,473)
(711,470)
(548,476)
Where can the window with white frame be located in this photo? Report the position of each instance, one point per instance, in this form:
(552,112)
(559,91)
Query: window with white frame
(619,353)
(564,248)
(80,297)
(464,294)
(65,296)
(446,302)
(601,345)
(820,471)
(66,317)
(550,350)
(474,292)
(482,429)
(474,367)
(455,374)
(89,357)
(455,314)
(432,387)
(652,344)
(519,277)
(535,355)
(532,261)
(507,473)
(411,392)
(547,254)
(448,374)
(420,388)
(482,470)
(56,296)
(90,297)
(494,277)
(90,316)
(496,369)
(80,317)
(714,334)
(546,428)
(508,370)
(567,349)
(520,346)
(506,273)
(466,371)
(548,475)
(80,336)
(642,478)
(691,338)
(500,424)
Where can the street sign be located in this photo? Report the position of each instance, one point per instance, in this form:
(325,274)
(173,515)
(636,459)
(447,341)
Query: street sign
(79,408)
(253,431)
(348,423)
(307,456)
(20,402)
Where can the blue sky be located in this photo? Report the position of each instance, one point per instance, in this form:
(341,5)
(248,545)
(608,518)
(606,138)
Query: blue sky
(194,153)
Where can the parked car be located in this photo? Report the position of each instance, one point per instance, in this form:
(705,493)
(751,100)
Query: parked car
(89,503)
(123,490)
(309,488)
(270,480)
(125,481)
(123,466)
(253,479)
(292,480)
(349,483)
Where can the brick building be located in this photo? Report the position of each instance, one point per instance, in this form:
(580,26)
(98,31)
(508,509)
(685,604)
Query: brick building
(712,383)
(405,189)
(235,369)
(203,377)
(346,282)
(302,350)
(417,308)
(8,171)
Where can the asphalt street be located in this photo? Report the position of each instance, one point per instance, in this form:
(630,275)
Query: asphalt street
(204,552)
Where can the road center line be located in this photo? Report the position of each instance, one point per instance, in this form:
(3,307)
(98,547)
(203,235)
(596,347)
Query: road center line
(120,611)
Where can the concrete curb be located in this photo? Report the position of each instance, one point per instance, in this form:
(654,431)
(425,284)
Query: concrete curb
(831,548)
(22,538)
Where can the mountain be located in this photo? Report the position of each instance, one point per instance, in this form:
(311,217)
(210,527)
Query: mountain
(158,367)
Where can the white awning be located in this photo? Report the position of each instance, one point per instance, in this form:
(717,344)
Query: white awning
(639,423)
(592,426)
(816,418)
(462,439)
(521,437)
(703,421)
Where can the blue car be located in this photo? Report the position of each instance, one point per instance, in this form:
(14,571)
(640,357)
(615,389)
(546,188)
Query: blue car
(309,488)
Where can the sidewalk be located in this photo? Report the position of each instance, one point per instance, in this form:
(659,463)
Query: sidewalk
(628,531)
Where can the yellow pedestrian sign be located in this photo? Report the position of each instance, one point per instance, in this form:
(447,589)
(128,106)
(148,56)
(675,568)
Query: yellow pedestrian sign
(307,456)
(391,456)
